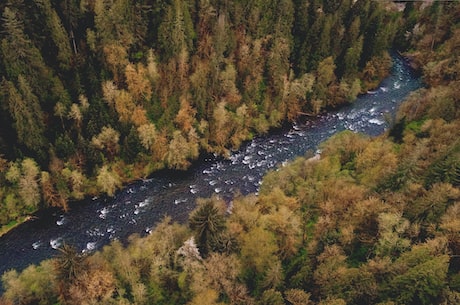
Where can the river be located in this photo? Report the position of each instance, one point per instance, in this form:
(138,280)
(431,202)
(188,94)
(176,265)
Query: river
(93,223)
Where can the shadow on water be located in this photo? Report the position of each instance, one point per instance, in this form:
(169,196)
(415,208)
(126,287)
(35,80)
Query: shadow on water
(95,222)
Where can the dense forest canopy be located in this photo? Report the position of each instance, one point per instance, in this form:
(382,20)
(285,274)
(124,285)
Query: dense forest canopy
(95,93)
(125,86)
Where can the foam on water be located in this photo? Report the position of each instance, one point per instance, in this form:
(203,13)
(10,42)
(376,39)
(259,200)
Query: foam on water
(180,200)
(56,242)
(193,191)
(130,191)
(90,246)
(376,121)
(103,213)
(61,221)
(95,232)
(145,202)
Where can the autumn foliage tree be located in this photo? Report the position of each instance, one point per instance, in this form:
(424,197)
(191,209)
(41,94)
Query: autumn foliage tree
(90,88)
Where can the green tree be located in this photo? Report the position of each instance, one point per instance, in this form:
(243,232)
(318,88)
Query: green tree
(280,217)
(376,162)
(380,33)
(325,77)
(300,28)
(147,135)
(391,240)
(20,56)
(115,22)
(177,152)
(295,95)
(258,253)
(34,285)
(17,49)
(108,180)
(207,221)
(352,57)
(24,107)
(298,297)
(176,32)
(420,274)
(68,266)
(51,195)
(58,33)
(107,141)
(206,297)
(221,127)
(271,297)
(28,183)
(24,177)
(242,126)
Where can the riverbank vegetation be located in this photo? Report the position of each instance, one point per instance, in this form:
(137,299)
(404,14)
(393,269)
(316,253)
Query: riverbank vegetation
(98,93)
(372,221)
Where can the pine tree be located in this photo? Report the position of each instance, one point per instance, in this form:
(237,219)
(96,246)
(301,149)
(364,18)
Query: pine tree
(207,222)
(58,33)
(26,113)
(176,32)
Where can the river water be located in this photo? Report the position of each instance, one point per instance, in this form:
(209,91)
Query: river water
(138,207)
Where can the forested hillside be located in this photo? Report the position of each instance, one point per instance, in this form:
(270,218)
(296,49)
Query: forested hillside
(370,221)
(95,93)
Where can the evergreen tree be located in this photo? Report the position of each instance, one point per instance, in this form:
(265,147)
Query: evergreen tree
(26,113)
(207,222)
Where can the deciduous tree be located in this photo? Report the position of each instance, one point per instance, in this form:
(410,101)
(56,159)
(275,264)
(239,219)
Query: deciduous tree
(33,285)
(108,180)
(178,152)
(107,141)
(138,83)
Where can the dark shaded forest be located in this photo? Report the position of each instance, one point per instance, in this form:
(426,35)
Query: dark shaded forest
(369,221)
(97,93)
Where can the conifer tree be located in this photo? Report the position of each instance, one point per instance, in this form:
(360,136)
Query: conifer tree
(26,113)
(208,222)
(58,34)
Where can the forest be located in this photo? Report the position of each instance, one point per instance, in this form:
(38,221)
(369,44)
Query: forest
(121,91)
(97,93)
